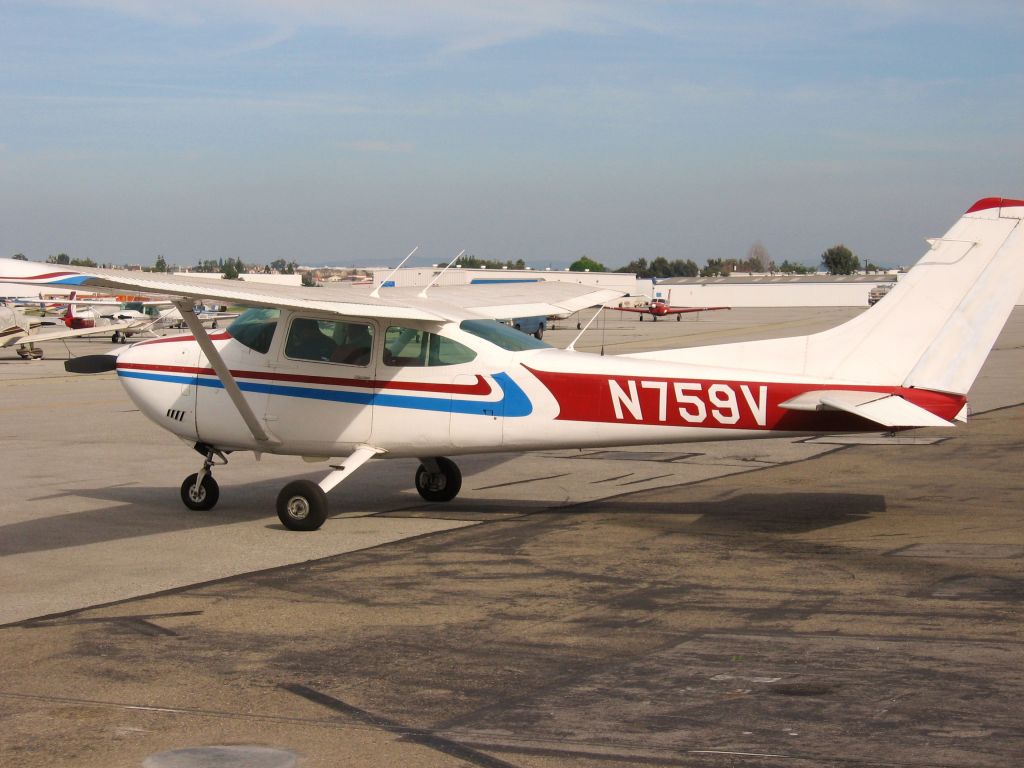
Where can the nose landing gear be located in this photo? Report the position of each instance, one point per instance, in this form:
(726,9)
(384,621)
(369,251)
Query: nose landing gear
(200,491)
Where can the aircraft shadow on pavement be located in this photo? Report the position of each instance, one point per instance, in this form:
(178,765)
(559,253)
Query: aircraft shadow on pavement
(137,510)
(756,512)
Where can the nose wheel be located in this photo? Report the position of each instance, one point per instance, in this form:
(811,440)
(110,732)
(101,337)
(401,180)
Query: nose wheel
(200,494)
(200,491)
(438,479)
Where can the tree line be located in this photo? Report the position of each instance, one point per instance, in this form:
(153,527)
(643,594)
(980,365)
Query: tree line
(837,260)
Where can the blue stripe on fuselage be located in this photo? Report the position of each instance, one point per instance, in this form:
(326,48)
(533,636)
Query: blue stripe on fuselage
(513,403)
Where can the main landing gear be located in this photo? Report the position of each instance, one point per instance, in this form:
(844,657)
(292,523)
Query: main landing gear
(302,504)
(119,337)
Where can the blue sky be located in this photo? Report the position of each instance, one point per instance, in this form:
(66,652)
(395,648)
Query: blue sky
(348,132)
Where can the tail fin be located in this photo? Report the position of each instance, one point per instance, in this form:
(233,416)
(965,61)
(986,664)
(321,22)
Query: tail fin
(937,326)
(69,313)
(933,330)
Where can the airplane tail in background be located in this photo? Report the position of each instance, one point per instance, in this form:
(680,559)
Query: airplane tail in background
(933,330)
(69,313)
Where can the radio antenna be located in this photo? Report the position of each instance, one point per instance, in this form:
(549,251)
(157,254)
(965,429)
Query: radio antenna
(376,291)
(423,293)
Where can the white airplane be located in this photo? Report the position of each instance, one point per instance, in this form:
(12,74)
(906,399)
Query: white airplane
(23,331)
(317,374)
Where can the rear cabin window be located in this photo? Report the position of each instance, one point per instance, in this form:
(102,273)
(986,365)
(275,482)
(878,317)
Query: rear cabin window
(329,341)
(254,328)
(413,347)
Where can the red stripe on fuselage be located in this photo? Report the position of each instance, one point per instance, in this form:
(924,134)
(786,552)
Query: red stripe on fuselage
(184,337)
(481,387)
(658,401)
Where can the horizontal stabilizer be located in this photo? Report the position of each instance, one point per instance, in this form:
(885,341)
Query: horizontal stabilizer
(880,407)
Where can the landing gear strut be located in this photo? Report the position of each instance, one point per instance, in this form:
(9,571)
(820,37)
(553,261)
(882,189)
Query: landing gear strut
(200,491)
(438,479)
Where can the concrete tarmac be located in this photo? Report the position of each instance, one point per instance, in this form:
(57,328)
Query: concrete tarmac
(815,602)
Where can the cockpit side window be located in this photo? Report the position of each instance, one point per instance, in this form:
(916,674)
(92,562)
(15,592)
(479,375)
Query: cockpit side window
(411,347)
(330,341)
(254,328)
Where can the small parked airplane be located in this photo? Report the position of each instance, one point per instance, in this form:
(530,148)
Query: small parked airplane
(660,308)
(23,331)
(320,374)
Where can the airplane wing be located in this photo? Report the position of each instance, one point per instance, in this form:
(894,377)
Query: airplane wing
(443,303)
(63,333)
(880,407)
(497,300)
(640,310)
(685,310)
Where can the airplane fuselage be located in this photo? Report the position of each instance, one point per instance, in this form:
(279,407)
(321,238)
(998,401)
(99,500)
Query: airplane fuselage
(499,400)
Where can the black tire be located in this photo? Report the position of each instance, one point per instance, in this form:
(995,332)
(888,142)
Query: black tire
(641,318)
(205,498)
(115,338)
(302,506)
(539,334)
(679,317)
(443,486)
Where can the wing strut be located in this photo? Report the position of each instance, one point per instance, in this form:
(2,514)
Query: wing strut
(188,314)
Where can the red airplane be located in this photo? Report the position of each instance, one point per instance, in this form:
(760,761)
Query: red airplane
(660,308)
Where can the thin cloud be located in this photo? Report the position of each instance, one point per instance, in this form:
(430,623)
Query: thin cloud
(394,147)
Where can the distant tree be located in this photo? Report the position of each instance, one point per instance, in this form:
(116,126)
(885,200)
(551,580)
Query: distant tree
(585,263)
(60,258)
(840,260)
(637,266)
(82,263)
(686,268)
(757,258)
(309,279)
(20,257)
(160,265)
(795,269)
(714,268)
(472,262)
(230,269)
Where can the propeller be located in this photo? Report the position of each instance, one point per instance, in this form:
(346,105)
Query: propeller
(91,364)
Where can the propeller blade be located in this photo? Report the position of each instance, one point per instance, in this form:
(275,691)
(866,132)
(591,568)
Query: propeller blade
(91,364)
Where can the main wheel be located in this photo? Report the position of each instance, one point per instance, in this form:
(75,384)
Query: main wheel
(539,333)
(302,506)
(202,498)
(439,486)
(679,318)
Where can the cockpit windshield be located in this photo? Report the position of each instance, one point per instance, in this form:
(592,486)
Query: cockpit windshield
(255,328)
(502,335)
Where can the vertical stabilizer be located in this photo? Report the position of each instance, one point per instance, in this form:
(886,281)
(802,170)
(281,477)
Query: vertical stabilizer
(937,326)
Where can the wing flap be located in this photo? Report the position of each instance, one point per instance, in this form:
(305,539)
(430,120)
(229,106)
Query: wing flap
(880,407)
